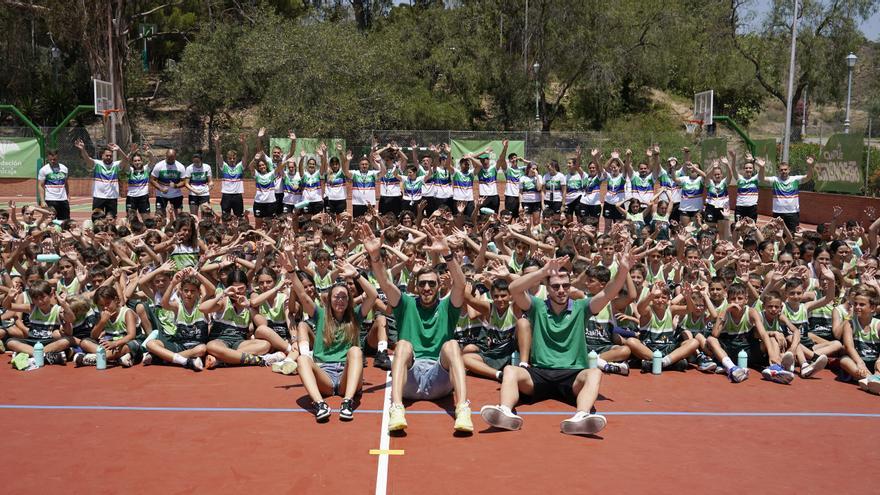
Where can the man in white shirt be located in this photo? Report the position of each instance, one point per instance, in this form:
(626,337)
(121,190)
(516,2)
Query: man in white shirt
(197,178)
(53,181)
(167,178)
(105,188)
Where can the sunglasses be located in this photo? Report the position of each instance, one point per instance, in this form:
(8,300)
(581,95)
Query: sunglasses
(429,283)
(560,286)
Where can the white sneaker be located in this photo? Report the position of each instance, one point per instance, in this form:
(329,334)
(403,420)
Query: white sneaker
(501,417)
(197,364)
(788,361)
(583,423)
(126,361)
(870,384)
(273,358)
(813,367)
(148,359)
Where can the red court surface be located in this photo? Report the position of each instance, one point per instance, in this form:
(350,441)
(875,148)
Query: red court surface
(169,430)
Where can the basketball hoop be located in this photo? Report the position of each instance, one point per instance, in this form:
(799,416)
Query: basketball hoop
(106,113)
(692,125)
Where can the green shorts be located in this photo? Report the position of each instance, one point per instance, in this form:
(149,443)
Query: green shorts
(732,344)
(495,360)
(31,342)
(665,347)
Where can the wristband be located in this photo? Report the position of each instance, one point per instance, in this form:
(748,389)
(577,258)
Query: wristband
(447,258)
(523,364)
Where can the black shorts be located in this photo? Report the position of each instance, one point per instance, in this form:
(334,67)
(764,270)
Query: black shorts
(140,204)
(62,209)
(314,207)
(390,204)
(553,384)
(590,211)
(287,208)
(161,203)
(688,214)
(571,207)
(511,204)
(529,208)
(194,200)
(232,203)
(746,212)
(611,212)
(714,214)
(554,206)
(359,210)
(264,210)
(676,212)
(409,205)
(435,203)
(279,201)
(468,208)
(792,220)
(491,202)
(334,206)
(106,204)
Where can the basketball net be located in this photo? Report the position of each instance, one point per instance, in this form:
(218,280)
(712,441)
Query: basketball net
(692,125)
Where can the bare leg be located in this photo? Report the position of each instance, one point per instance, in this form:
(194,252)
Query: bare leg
(450,358)
(586,388)
(354,369)
(524,339)
(316,382)
(474,363)
(403,359)
(515,380)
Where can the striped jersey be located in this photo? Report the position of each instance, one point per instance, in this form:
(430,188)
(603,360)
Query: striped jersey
(785,193)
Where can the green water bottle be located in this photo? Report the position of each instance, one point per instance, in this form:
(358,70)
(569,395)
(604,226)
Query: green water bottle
(657,362)
(101,362)
(39,356)
(592,360)
(742,359)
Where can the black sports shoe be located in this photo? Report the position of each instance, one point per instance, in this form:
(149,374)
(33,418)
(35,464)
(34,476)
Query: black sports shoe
(56,358)
(346,410)
(322,412)
(382,361)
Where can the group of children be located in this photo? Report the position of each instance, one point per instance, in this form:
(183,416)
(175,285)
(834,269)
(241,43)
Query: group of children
(297,292)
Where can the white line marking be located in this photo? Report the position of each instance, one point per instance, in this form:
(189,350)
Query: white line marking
(384,441)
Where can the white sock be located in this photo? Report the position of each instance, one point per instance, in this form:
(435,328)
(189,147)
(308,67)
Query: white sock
(601,363)
(727,363)
(666,361)
(289,347)
(304,348)
(505,408)
(497,375)
(382,345)
(178,359)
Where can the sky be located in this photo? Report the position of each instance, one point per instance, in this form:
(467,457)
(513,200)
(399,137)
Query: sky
(870,27)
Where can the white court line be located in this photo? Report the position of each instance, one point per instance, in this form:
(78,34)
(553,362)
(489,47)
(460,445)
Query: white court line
(384,441)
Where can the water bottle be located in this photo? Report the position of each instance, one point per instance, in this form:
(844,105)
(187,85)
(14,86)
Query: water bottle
(592,360)
(101,362)
(48,258)
(742,359)
(514,358)
(301,205)
(39,357)
(487,211)
(657,362)
(153,336)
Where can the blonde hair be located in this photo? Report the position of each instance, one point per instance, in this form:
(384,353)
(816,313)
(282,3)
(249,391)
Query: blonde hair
(79,305)
(346,326)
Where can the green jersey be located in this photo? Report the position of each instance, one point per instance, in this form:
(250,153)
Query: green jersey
(558,339)
(426,328)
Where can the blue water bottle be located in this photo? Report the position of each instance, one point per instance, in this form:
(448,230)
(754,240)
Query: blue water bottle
(592,360)
(514,358)
(101,362)
(657,362)
(39,357)
(742,359)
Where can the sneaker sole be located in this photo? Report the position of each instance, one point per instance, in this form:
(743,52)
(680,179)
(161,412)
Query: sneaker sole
(346,417)
(397,426)
(498,419)
(873,387)
(787,361)
(587,426)
(322,419)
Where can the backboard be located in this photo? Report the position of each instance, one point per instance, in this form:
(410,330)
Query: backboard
(703,105)
(103,96)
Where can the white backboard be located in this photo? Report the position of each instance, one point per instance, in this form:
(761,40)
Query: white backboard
(703,105)
(103,96)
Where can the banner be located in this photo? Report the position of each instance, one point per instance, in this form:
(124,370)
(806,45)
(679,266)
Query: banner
(712,149)
(461,147)
(766,149)
(839,166)
(19,157)
(309,145)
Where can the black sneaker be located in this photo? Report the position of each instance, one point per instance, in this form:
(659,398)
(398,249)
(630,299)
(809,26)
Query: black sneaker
(647,365)
(680,365)
(322,412)
(56,358)
(382,361)
(346,410)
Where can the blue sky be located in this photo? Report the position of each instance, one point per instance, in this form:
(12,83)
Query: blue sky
(870,27)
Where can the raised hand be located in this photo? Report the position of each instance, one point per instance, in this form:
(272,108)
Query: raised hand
(291,134)
(372,244)
(79,144)
(261,132)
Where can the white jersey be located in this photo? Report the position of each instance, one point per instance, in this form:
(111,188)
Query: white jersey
(553,186)
(106,185)
(746,190)
(168,174)
(198,176)
(528,189)
(363,187)
(54,182)
(231,178)
(592,189)
(138,182)
(785,193)
(389,184)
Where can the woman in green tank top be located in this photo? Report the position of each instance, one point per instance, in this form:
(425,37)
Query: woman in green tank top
(336,365)
(658,331)
(862,338)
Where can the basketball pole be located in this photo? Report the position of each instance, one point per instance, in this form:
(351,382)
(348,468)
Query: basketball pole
(786,140)
(112,78)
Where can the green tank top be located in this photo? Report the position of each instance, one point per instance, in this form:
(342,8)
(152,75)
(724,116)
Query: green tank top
(660,329)
(72,288)
(117,328)
(736,328)
(692,324)
(795,316)
(775,326)
(275,311)
(230,317)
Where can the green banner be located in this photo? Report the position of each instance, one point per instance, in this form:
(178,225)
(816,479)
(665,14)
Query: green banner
(712,149)
(461,147)
(839,166)
(309,145)
(766,149)
(19,157)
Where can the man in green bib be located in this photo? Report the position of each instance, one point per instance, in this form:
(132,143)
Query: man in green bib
(427,361)
(558,357)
